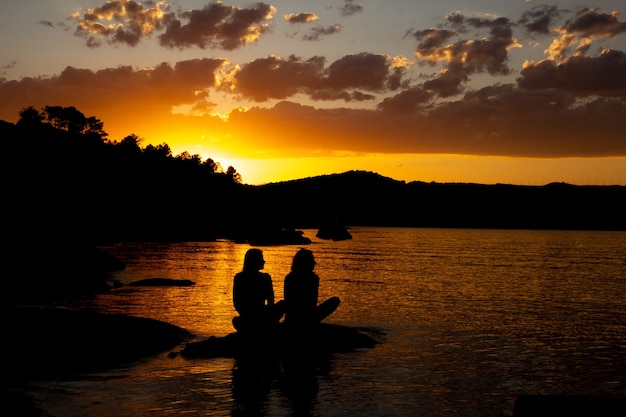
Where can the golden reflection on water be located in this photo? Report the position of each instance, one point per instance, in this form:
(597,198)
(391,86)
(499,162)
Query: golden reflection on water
(472,318)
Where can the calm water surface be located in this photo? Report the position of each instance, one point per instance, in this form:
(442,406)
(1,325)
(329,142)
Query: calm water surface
(473,319)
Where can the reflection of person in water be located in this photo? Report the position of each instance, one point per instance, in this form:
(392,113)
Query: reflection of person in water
(301,291)
(253,296)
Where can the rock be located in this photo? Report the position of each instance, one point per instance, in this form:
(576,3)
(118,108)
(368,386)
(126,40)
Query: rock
(162,282)
(328,339)
(47,342)
(52,270)
(333,231)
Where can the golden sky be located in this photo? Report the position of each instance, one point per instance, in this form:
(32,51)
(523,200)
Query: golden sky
(520,92)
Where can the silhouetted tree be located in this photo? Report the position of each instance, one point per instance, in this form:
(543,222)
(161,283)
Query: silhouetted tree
(161,152)
(232,173)
(94,128)
(194,159)
(69,119)
(211,167)
(30,117)
(130,144)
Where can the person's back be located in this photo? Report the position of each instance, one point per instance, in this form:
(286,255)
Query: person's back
(301,292)
(253,296)
(251,291)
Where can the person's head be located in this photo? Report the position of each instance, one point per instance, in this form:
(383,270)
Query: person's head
(303,261)
(253,260)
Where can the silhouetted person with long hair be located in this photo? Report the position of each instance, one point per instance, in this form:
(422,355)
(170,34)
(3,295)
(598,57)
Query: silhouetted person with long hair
(253,297)
(301,292)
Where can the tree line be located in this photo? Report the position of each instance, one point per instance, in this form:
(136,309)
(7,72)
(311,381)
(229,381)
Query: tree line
(63,178)
(68,123)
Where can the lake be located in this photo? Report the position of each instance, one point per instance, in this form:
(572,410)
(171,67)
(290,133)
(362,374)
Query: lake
(472,319)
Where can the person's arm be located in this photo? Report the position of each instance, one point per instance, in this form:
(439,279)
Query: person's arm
(236,295)
(270,291)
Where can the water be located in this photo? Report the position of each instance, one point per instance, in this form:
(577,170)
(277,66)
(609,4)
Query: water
(473,319)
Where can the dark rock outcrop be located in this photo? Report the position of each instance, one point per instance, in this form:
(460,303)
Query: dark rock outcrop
(162,282)
(333,232)
(327,339)
(51,342)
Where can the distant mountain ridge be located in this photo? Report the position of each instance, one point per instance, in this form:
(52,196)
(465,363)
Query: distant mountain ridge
(369,199)
(63,180)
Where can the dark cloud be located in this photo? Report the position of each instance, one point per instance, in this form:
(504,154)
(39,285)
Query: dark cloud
(449,82)
(581,75)
(218,26)
(579,32)
(364,70)
(46,23)
(591,24)
(347,96)
(319,31)
(279,78)
(214,26)
(350,8)
(118,90)
(9,65)
(539,19)
(405,102)
(464,57)
(500,120)
(569,104)
(431,42)
(121,21)
(300,17)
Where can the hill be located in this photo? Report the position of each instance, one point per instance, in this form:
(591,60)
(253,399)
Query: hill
(63,180)
(369,199)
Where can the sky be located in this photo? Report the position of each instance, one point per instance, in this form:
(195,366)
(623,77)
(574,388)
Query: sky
(486,91)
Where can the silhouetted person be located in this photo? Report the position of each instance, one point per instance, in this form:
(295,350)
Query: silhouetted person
(253,297)
(301,291)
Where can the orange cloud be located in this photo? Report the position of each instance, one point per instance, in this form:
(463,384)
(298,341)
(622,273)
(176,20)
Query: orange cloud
(218,25)
(609,75)
(278,78)
(214,26)
(120,21)
(300,17)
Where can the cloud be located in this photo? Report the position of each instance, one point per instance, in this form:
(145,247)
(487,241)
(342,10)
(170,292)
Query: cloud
(405,102)
(300,17)
(46,23)
(350,8)
(464,57)
(604,75)
(582,30)
(214,26)
(116,92)
(590,24)
(501,120)
(539,19)
(569,104)
(319,31)
(280,78)
(4,69)
(218,26)
(120,21)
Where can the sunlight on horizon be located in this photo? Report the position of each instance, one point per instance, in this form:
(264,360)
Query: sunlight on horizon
(438,168)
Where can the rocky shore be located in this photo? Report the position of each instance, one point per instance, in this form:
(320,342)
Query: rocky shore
(54,343)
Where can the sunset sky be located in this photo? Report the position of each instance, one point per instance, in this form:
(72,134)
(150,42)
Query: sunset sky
(485,91)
